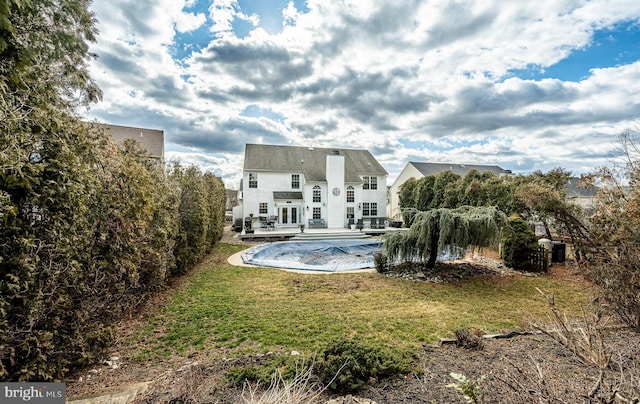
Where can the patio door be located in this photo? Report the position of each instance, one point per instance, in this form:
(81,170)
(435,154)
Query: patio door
(289,215)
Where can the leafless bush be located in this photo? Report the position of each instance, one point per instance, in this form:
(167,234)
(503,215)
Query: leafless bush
(615,271)
(607,377)
(584,340)
(302,388)
(532,381)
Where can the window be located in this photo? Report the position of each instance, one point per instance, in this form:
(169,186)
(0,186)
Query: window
(316,194)
(253,180)
(262,208)
(373,211)
(350,213)
(317,213)
(295,181)
(350,194)
(369,182)
(365,208)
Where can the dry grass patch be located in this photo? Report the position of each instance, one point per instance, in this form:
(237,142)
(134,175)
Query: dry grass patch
(243,311)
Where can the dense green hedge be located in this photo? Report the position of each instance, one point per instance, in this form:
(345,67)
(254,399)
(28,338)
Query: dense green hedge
(87,232)
(87,229)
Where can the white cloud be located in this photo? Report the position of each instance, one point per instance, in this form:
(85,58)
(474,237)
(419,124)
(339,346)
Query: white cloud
(364,74)
(186,22)
(224,12)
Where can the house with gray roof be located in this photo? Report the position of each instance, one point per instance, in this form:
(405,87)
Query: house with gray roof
(311,185)
(584,196)
(418,170)
(152,140)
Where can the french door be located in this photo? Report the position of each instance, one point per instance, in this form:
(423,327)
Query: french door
(289,215)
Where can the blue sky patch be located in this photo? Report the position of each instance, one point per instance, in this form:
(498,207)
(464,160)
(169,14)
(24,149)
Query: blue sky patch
(254,111)
(186,43)
(270,13)
(610,47)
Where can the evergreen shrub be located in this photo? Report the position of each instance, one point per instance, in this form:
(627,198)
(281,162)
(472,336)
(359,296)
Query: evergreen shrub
(348,366)
(518,244)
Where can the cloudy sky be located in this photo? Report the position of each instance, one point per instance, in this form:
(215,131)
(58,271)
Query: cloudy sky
(525,85)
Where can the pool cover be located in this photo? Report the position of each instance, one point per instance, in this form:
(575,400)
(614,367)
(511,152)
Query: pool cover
(320,255)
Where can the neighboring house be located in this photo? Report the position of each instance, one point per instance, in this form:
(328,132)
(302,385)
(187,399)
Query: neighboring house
(232,199)
(585,197)
(418,170)
(307,185)
(152,140)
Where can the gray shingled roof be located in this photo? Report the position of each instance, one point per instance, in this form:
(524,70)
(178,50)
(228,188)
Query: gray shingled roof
(573,190)
(152,140)
(460,169)
(311,161)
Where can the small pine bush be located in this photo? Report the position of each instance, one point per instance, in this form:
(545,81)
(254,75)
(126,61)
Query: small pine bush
(518,244)
(348,366)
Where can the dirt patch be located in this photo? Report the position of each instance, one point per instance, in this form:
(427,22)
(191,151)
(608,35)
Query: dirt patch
(535,361)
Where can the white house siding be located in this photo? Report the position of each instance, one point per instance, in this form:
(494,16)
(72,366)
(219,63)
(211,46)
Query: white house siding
(409,171)
(310,205)
(377,196)
(336,196)
(267,184)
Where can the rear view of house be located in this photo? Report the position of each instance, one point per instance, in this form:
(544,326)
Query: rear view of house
(321,187)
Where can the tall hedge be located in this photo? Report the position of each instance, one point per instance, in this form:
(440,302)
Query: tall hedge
(201,213)
(87,229)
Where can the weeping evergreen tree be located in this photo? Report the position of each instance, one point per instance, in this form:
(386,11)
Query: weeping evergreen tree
(435,230)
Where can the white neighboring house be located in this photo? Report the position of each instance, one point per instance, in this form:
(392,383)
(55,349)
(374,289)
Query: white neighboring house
(321,187)
(418,170)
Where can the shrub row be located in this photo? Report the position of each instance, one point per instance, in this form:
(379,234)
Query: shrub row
(88,230)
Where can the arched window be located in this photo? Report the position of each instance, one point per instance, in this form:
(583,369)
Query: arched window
(316,194)
(351,194)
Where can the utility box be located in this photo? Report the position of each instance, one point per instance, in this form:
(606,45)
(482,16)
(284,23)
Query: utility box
(558,251)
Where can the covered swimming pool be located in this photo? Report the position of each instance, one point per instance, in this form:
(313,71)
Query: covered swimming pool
(317,255)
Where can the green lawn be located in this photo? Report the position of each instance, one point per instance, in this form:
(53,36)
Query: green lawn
(255,310)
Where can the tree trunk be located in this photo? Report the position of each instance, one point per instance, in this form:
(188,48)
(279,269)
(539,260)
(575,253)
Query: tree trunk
(433,250)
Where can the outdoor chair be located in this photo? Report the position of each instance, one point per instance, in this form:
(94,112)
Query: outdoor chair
(263,222)
(271,222)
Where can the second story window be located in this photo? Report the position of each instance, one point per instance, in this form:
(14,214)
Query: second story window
(295,181)
(351,194)
(253,180)
(369,182)
(373,182)
(316,194)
